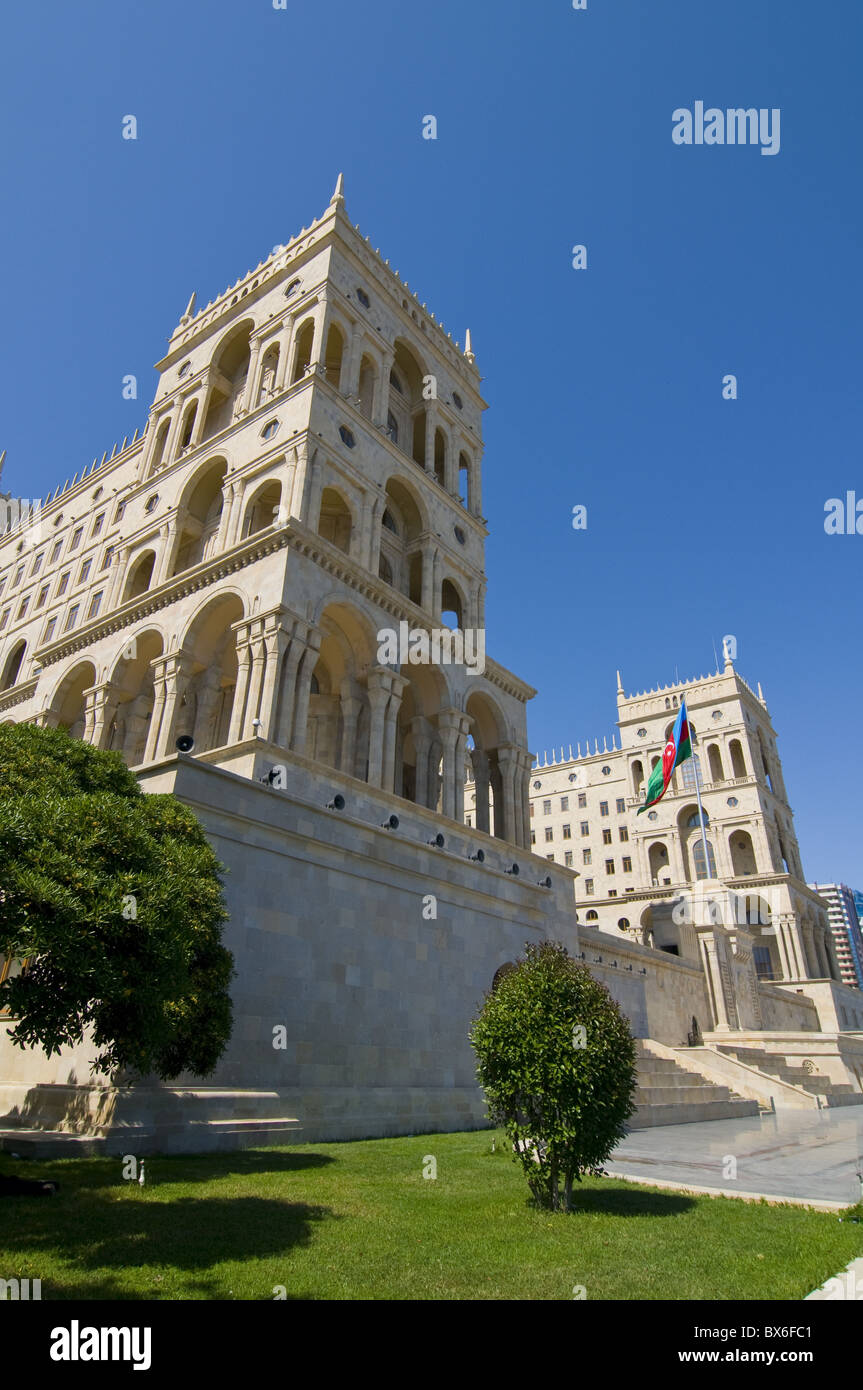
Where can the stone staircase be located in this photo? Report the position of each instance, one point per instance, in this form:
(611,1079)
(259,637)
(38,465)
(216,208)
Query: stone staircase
(669,1095)
(828,1093)
(54,1121)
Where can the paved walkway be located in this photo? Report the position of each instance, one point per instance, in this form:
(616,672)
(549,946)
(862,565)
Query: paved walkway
(795,1154)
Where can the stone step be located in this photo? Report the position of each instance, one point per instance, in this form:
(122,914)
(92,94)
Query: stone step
(206,1137)
(668,1094)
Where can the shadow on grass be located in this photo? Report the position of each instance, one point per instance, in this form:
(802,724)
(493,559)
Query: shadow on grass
(191,1233)
(622,1201)
(78,1174)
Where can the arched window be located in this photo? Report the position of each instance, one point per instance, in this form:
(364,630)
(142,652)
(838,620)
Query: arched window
(451,605)
(698,858)
(305,342)
(591,916)
(335,519)
(12,668)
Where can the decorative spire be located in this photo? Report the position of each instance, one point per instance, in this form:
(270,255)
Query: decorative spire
(190,308)
(2,461)
(468,348)
(619,684)
(338,198)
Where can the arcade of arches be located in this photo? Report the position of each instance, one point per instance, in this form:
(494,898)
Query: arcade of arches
(316,690)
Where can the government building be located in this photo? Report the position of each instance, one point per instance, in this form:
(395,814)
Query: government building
(209,601)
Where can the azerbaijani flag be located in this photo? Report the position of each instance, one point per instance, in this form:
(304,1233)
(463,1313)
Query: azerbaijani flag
(677,750)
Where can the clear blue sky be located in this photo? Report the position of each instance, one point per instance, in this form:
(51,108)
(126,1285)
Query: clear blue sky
(705,516)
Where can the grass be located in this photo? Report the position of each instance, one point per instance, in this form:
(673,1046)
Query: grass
(359,1221)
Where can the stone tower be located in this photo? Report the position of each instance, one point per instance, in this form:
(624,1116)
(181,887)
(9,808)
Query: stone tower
(310,476)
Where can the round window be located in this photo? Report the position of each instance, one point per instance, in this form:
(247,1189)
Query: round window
(653,815)
(459,534)
(270,429)
(457,400)
(536,786)
(732,801)
(185,369)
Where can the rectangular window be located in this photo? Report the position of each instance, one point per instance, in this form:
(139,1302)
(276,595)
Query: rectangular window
(567,832)
(72,616)
(43,595)
(609,866)
(108,557)
(76,537)
(532,809)
(585,827)
(629,890)
(549,834)
(63,585)
(623,833)
(588,887)
(533,837)
(5,618)
(18,573)
(603,808)
(37,563)
(93,612)
(612,892)
(621,805)
(2,584)
(567,859)
(25,604)
(55,553)
(551,857)
(546,808)
(49,631)
(582,800)
(118,515)
(85,572)
(627,865)
(606,837)
(585,856)
(97,524)
(564,803)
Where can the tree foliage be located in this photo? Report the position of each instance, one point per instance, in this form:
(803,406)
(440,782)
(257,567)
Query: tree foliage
(556,1061)
(114,899)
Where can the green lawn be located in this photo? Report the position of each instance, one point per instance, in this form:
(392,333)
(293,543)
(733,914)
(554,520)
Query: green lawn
(353,1221)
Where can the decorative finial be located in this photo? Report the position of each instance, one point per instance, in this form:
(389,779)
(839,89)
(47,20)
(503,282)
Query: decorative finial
(468,349)
(2,461)
(190,308)
(619,684)
(338,191)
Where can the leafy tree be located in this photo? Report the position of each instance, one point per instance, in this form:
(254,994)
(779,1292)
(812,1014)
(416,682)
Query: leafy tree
(114,899)
(556,1060)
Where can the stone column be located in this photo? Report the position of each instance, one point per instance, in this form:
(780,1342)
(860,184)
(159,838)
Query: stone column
(244,668)
(176,680)
(460,757)
(304,687)
(275,640)
(479,760)
(422,746)
(715,984)
(319,341)
(159,690)
(168,537)
(350,708)
(351,364)
(230,491)
(113,591)
(397,689)
(449,728)
(507,757)
(97,708)
(258,651)
(249,395)
(378,684)
(427,595)
(296,649)
(430,423)
(380,408)
(201,416)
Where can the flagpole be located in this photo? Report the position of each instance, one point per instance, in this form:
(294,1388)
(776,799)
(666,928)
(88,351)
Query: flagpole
(695,763)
